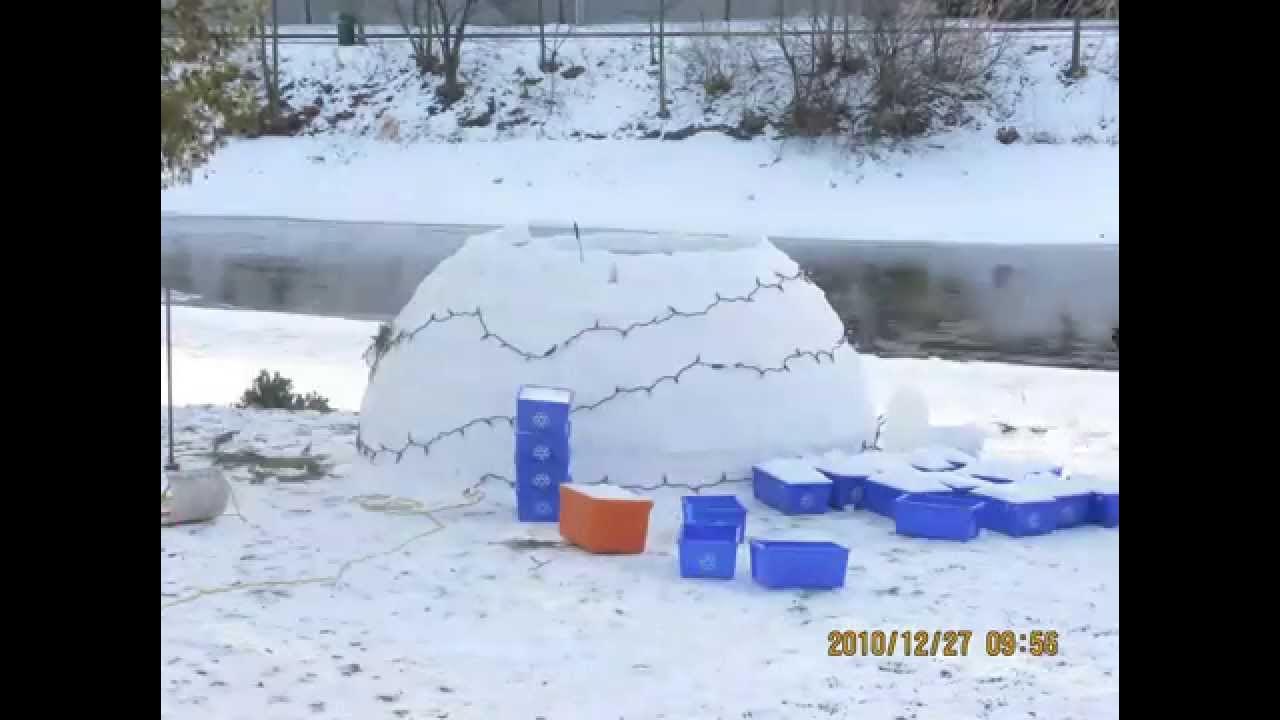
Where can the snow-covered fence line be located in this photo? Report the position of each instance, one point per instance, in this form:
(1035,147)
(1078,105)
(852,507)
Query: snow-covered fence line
(689,30)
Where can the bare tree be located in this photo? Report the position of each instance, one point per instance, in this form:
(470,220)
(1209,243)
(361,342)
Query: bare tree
(550,62)
(420,25)
(453,16)
(269,61)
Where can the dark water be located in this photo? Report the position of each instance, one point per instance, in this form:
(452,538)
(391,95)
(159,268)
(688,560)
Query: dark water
(1033,304)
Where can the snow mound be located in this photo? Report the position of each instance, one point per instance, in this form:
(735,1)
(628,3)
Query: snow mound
(685,365)
(862,464)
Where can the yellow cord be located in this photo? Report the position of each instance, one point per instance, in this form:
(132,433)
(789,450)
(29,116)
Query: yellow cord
(372,503)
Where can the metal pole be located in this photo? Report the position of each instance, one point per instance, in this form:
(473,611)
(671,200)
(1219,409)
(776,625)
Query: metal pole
(168,354)
(306,8)
(662,59)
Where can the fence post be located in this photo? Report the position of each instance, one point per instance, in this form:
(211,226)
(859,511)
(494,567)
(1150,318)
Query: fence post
(168,356)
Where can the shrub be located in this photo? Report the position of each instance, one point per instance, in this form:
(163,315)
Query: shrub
(712,63)
(275,392)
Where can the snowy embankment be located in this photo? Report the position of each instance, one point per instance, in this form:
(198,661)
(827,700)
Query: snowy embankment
(380,147)
(486,618)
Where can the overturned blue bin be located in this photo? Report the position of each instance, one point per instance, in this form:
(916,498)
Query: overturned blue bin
(792,487)
(809,565)
(1017,510)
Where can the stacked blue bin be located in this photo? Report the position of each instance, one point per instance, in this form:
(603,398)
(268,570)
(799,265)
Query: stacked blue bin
(713,527)
(542,451)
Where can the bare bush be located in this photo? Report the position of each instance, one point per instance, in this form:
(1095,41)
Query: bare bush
(549,53)
(712,62)
(452,16)
(923,67)
(819,98)
(419,23)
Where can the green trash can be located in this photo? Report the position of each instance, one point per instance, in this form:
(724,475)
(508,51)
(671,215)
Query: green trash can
(347,29)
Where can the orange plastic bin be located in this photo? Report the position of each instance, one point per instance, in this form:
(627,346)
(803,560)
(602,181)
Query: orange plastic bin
(604,519)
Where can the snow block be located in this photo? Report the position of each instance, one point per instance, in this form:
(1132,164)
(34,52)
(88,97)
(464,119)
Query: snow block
(715,510)
(1106,509)
(708,551)
(604,519)
(791,487)
(538,448)
(542,409)
(937,458)
(811,565)
(940,516)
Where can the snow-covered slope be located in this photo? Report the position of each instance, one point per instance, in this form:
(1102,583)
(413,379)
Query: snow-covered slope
(381,147)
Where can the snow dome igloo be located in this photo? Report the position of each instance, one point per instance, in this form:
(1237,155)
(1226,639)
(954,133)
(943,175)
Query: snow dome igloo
(690,360)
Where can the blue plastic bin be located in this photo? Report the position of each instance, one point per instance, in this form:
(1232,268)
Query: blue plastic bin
(813,565)
(541,409)
(938,515)
(1106,509)
(539,448)
(708,551)
(879,498)
(538,505)
(715,510)
(1074,509)
(846,490)
(544,477)
(1019,519)
(791,498)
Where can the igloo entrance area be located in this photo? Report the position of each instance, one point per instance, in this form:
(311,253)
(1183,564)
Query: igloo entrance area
(689,360)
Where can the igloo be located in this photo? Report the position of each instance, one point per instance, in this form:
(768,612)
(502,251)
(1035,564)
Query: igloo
(690,360)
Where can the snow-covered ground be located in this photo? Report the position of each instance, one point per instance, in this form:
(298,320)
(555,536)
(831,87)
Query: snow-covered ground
(480,617)
(381,148)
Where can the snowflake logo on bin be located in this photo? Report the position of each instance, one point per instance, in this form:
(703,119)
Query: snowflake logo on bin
(543,508)
(855,495)
(707,562)
(541,420)
(542,481)
(806,501)
(1068,515)
(1033,520)
(541,453)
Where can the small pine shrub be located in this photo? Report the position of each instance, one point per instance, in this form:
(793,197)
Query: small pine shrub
(275,392)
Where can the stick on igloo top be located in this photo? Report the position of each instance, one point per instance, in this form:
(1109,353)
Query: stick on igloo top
(690,359)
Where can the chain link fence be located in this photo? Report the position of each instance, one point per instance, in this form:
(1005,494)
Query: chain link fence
(508,13)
